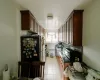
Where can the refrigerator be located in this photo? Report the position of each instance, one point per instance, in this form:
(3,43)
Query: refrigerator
(30,48)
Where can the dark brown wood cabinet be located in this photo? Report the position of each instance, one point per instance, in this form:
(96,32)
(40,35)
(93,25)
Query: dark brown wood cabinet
(44,32)
(36,27)
(62,66)
(31,65)
(64,32)
(77,27)
(39,32)
(58,34)
(29,22)
(72,29)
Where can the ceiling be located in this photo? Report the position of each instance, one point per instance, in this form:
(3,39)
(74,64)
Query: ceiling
(59,8)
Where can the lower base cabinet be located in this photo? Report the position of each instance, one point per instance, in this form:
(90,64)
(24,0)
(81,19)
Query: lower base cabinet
(62,67)
(31,70)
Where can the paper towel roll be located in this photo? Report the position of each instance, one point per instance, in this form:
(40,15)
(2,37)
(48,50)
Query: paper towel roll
(6,75)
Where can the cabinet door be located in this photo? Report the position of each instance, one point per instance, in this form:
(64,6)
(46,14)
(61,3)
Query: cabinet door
(39,30)
(62,34)
(71,30)
(43,32)
(25,20)
(31,24)
(36,27)
(67,32)
(58,35)
(77,28)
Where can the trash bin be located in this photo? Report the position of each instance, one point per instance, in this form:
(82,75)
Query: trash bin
(51,55)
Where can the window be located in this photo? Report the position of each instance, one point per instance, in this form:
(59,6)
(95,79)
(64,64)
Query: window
(51,37)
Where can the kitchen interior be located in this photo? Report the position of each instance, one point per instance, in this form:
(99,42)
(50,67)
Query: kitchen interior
(68,50)
(54,51)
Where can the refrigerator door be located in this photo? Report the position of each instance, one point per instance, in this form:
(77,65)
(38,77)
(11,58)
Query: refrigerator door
(30,48)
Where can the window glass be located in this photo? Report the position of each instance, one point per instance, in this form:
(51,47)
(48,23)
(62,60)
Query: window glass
(51,37)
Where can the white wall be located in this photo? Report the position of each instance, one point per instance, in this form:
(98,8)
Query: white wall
(9,35)
(91,35)
(51,45)
(51,48)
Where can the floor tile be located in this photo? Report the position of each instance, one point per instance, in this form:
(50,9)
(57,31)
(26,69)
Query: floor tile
(52,71)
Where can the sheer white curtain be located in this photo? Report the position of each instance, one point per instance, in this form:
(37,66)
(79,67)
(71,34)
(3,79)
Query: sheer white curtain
(52,37)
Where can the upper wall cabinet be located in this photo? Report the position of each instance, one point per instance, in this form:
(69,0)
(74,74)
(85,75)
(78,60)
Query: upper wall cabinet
(76,25)
(72,29)
(36,27)
(28,22)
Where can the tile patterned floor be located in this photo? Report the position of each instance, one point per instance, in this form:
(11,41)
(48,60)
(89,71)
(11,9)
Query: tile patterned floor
(52,71)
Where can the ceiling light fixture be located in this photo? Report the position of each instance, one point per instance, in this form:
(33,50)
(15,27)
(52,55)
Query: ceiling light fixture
(51,22)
